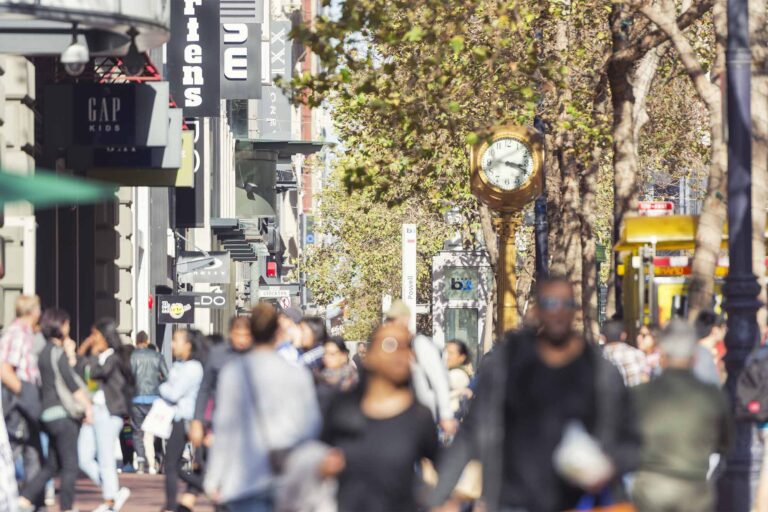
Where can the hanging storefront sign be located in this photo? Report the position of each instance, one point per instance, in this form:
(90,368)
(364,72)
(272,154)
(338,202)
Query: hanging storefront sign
(274,117)
(166,157)
(189,205)
(200,267)
(99,115)
(143,177)
(205,300)
(175,309)
(240,40)
(192,57)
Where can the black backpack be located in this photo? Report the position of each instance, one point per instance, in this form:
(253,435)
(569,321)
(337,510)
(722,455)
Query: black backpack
(752,387)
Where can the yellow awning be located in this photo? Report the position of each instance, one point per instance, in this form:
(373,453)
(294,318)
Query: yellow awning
(670,233)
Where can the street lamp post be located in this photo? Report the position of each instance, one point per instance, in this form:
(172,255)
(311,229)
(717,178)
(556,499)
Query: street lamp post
(741,288)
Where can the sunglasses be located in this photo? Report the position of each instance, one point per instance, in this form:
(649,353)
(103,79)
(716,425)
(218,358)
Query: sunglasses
(553,303)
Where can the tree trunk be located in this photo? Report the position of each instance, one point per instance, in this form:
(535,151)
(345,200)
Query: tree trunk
(589,291)
(759,41)
(492,247)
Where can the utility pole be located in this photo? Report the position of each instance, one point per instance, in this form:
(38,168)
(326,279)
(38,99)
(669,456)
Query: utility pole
(741,287)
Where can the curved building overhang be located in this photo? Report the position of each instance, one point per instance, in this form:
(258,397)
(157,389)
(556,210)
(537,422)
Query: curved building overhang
(40,27)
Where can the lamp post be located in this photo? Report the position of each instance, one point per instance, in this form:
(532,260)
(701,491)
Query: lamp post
(741,287)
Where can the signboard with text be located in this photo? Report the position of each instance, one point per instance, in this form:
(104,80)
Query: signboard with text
(208,300)
(175,309)
(200,267)
(274,116)
(656,208)
(240,39)
(409,270)
(193,57)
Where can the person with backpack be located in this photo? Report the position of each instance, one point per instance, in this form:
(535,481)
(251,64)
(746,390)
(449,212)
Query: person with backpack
(66,405)
(682,422)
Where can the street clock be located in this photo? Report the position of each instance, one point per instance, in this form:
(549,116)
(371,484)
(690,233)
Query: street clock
(507,168)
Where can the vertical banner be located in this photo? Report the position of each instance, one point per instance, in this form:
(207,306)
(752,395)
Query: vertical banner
(240,36)
(409,271)
(192,56)
(190,202)
(274,119)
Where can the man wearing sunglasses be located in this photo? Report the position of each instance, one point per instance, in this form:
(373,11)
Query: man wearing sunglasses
(538,385)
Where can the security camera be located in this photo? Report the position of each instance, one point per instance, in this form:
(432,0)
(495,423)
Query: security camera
(75,58)
(133,60)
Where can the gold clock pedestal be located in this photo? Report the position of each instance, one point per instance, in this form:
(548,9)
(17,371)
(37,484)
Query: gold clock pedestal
(506,279)
(506,181)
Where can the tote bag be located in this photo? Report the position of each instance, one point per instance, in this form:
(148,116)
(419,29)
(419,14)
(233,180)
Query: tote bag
(159,421)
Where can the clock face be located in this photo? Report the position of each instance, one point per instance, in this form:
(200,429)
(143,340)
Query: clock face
(507,163)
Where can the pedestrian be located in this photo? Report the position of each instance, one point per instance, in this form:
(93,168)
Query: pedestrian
(290,344)
(106,362)
(428,375)
(240,342)
(265,406)
(630,361)
(682,421)
(313,338)
(710,329)
(359,357)
(338,373)
(532,394)
(374,459)
(149,371)
(647,342)
(181,390)
(66,405)
(20,392)
(457,358)
(8,485)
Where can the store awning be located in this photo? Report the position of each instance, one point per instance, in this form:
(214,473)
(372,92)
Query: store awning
(670,233)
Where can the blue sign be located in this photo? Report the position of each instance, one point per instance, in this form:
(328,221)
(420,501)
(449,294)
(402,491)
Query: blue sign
(310,238)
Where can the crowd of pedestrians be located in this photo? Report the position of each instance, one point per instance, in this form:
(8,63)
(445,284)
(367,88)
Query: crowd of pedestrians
(278,415)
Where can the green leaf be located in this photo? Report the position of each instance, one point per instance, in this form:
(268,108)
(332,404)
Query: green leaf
(472,138)
(414,35)
(454,106)
(457,43)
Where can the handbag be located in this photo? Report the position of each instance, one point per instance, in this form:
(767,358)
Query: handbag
(74,408)
(159,420)
(277,457)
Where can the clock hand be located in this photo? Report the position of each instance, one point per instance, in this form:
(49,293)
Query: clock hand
(512,164)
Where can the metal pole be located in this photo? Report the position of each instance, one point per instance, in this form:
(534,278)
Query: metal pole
(741,287)
(541,227)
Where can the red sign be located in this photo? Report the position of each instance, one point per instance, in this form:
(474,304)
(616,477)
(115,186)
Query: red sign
(655,208)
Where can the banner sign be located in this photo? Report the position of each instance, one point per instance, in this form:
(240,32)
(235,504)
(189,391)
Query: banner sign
(205,300)
(175,309)
(409,270)
(274,117)
(192,56)
(89,114)
(190,202)
(240,36)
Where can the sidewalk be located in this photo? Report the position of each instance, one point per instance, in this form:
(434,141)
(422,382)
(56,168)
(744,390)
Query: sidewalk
(147,494)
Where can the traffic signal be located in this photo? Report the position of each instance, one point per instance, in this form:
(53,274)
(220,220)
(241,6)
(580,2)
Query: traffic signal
(271,269)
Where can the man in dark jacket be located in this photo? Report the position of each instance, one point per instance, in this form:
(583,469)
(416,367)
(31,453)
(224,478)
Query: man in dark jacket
(530,390)
(149,371)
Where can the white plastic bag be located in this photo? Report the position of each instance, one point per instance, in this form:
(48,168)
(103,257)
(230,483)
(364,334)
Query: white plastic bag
(579,459)
(159,421)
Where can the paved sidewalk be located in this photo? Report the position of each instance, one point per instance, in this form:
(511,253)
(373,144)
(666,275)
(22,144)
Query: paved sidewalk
(147,494)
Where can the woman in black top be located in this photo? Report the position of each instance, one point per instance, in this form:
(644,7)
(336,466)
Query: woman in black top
(109,365)
(380,434)
(58,422)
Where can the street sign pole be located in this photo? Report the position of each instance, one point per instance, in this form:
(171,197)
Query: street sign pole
(741,286)
(409,271)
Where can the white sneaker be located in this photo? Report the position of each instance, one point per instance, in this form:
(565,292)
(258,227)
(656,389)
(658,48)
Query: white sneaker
(122,496)
(102,508)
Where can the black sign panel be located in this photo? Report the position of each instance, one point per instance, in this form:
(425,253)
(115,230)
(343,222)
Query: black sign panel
(175,309)
(193,56)
(190,201)
(210,300)
(96,115)
(240,61)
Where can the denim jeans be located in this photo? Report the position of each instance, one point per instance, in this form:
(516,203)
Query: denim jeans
(96,450)
(259,503)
